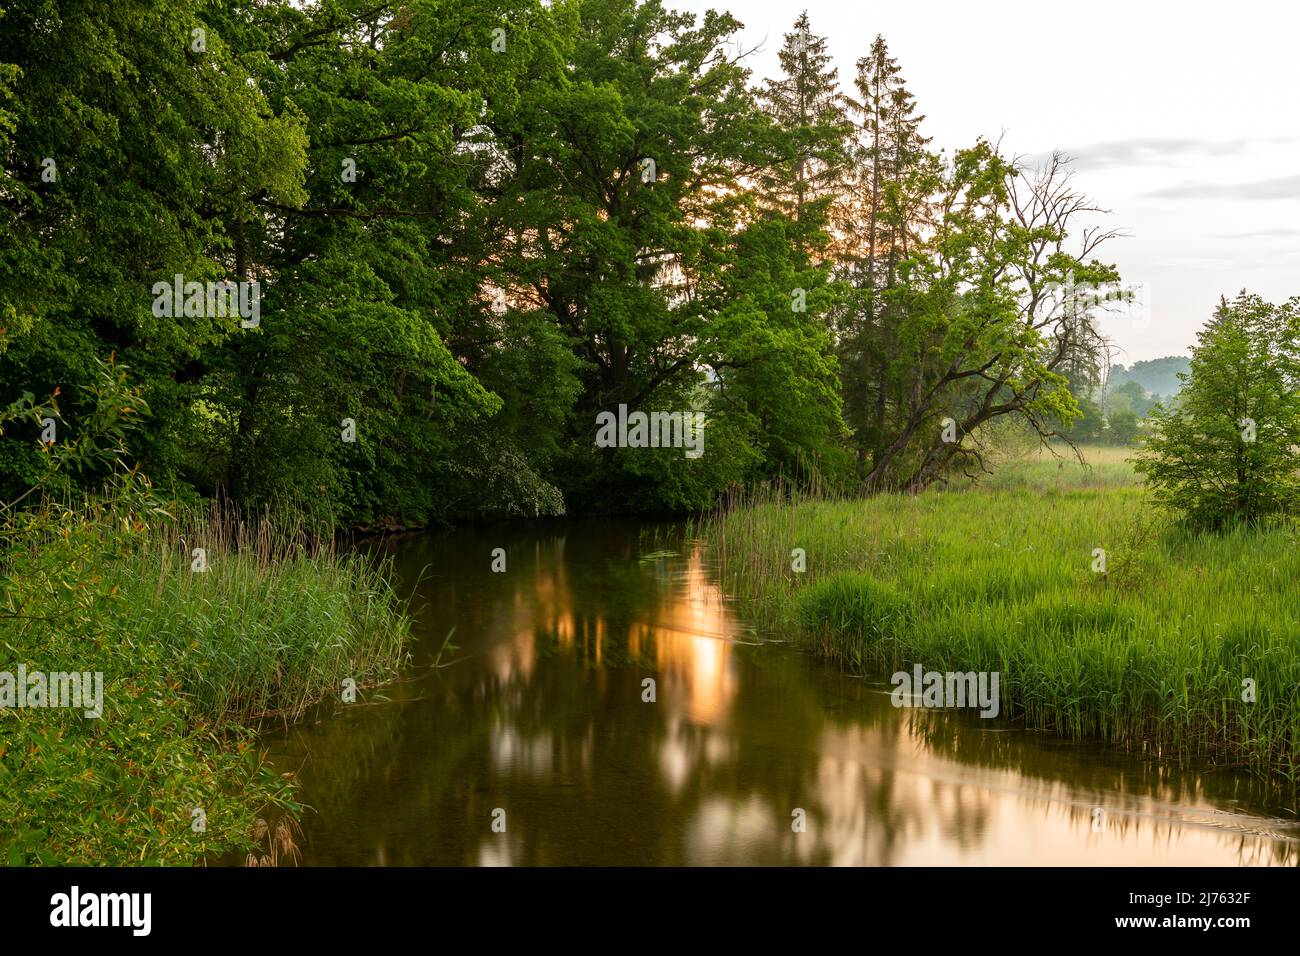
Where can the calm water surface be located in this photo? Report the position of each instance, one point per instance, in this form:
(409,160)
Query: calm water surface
(535,707)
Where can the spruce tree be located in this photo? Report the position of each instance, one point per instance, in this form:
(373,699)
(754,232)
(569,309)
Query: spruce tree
(812,127)
(884,205)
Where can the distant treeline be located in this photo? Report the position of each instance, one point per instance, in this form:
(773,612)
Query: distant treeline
(1158,377)
(1114,411)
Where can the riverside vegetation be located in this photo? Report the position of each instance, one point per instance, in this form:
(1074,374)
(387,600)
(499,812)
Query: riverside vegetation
(467,231)
(193,663)
(194,660)
(1154,652)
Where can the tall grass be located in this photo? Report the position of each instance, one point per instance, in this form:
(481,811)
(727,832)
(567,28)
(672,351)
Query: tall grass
(1152,653)
(192,662)
(276,621)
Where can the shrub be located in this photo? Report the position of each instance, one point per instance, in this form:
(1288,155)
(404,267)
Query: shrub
(1230,452)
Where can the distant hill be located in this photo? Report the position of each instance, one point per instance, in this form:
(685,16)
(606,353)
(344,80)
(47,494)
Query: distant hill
(1157,376)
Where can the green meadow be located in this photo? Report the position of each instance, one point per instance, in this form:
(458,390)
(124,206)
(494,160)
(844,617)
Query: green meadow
(1160,647)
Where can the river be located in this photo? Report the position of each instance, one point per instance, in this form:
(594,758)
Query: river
(525,737)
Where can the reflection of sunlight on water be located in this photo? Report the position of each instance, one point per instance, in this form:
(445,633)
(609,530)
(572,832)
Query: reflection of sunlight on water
(542,712)
(700,666)
(697,668)
(842,830)
(934,811)
(511,752)
(687,749)
(745,826)
(515,660)
(499,850)
(691,638)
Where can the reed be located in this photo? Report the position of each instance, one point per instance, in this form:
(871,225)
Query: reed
(1152,653)
(192,661)
(279,618)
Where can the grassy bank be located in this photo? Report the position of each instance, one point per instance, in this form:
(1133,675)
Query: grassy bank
(193,662)
(1150,653)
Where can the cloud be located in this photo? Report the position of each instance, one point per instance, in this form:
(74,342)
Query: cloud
(1285,232)
(1192,263)
(1157,151)
(1283,187)
(1153,151)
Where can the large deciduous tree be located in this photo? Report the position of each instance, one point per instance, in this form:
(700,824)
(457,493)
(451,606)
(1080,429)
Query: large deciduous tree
(989,317)
(135,138)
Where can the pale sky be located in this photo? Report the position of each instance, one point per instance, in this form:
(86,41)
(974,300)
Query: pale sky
(1184,119)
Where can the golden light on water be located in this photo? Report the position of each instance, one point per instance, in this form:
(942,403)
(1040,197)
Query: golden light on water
(540,710)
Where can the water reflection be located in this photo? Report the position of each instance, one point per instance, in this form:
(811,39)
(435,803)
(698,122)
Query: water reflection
(539,712)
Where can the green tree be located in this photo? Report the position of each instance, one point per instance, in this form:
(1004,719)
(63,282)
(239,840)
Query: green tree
(812,138)
(136,142)
(880,217)
(980,332)
(1129,396)
(1090,424)
(1122,426)
(1230,452)
(349,393)
(620,220)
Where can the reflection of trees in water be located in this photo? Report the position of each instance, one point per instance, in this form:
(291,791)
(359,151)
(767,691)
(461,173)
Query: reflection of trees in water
(357,776)
(813,740)
(1140,795)
(541,714)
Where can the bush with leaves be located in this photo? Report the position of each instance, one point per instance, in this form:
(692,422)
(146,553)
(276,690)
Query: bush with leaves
(1230,452)
(104,584)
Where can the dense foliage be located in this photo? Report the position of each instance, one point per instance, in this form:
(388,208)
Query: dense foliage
(163,766)
(1229,452)
(476,225)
